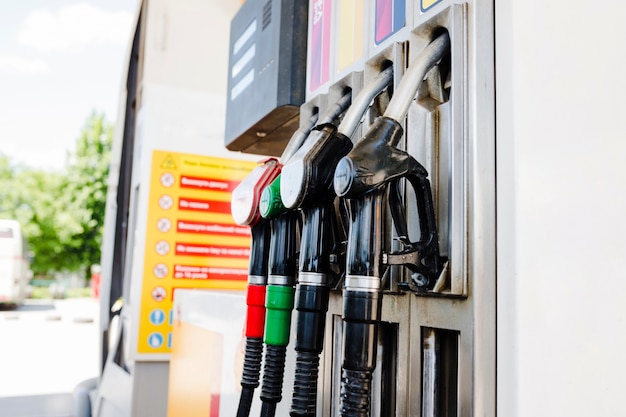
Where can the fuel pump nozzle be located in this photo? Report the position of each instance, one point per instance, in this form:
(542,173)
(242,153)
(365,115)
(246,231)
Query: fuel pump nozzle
(307,185)
(279,297)
(282,274)
(362,177)
(359,174)
(245,211)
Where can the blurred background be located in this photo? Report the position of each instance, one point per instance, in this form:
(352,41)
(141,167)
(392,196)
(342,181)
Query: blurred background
(61,63)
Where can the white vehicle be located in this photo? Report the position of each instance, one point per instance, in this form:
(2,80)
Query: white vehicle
(14,264)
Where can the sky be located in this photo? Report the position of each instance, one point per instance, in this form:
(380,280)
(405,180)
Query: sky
(60,60)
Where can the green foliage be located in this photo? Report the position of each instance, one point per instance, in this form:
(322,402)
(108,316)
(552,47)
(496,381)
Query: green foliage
(84,193)
(62,213)
(44,293)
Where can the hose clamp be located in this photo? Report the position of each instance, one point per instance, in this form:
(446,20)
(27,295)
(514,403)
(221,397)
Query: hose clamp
(313,278)
(362,283)
(280,280)
(257,280)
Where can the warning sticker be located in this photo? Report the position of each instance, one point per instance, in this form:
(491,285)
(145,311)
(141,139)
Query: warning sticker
(159,294)
(168,162)
(191,238)
(167,180)
(320,43)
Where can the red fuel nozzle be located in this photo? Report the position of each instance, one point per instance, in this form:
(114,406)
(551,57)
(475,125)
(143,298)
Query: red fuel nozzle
(245,211)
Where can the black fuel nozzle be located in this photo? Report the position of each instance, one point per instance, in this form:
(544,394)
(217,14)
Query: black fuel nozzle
(282,275)
(364,177)
(309,174)
(359,173)
(312,296)
(306,184)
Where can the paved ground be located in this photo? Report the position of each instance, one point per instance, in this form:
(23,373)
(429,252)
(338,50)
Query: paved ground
(46,348)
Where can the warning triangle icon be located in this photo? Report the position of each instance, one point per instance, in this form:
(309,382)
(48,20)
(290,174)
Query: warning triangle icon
(168,162)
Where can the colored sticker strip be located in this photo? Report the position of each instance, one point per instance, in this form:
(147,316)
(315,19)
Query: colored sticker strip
(351,43)
(320,43)
(390,18)
(427,4)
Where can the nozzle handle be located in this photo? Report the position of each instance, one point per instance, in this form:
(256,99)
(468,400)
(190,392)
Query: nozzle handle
(358,176)
(259,250)
(359,172)
(421,256)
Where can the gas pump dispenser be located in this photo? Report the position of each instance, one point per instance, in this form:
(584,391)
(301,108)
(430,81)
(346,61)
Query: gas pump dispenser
(410,328)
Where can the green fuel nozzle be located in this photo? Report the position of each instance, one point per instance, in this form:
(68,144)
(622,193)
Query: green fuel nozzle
(245,208)
(281,281)
(279,304)
(270,204)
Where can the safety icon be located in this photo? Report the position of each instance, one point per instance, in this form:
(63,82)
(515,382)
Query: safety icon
(159,293)
(166,202)
(157,316)
(160,270)
(164,224)
(155,340)
(162,247)
(167,180)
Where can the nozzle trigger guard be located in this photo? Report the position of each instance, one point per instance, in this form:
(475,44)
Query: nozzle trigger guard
(422,256)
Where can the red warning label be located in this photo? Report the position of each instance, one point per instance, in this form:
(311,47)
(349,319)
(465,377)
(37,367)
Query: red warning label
(194,249)
(200,183)
(208,272)
(188,226)
(195,204)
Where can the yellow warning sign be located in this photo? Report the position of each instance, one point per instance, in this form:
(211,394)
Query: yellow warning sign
(192,240)
(168,162)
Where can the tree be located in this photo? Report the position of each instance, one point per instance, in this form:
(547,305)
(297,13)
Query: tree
(37,209)
(62,213)
(7,171)
(84,195)
(31,197)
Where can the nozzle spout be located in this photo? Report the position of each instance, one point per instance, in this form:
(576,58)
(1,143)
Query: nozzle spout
(413,77)
(362,101)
